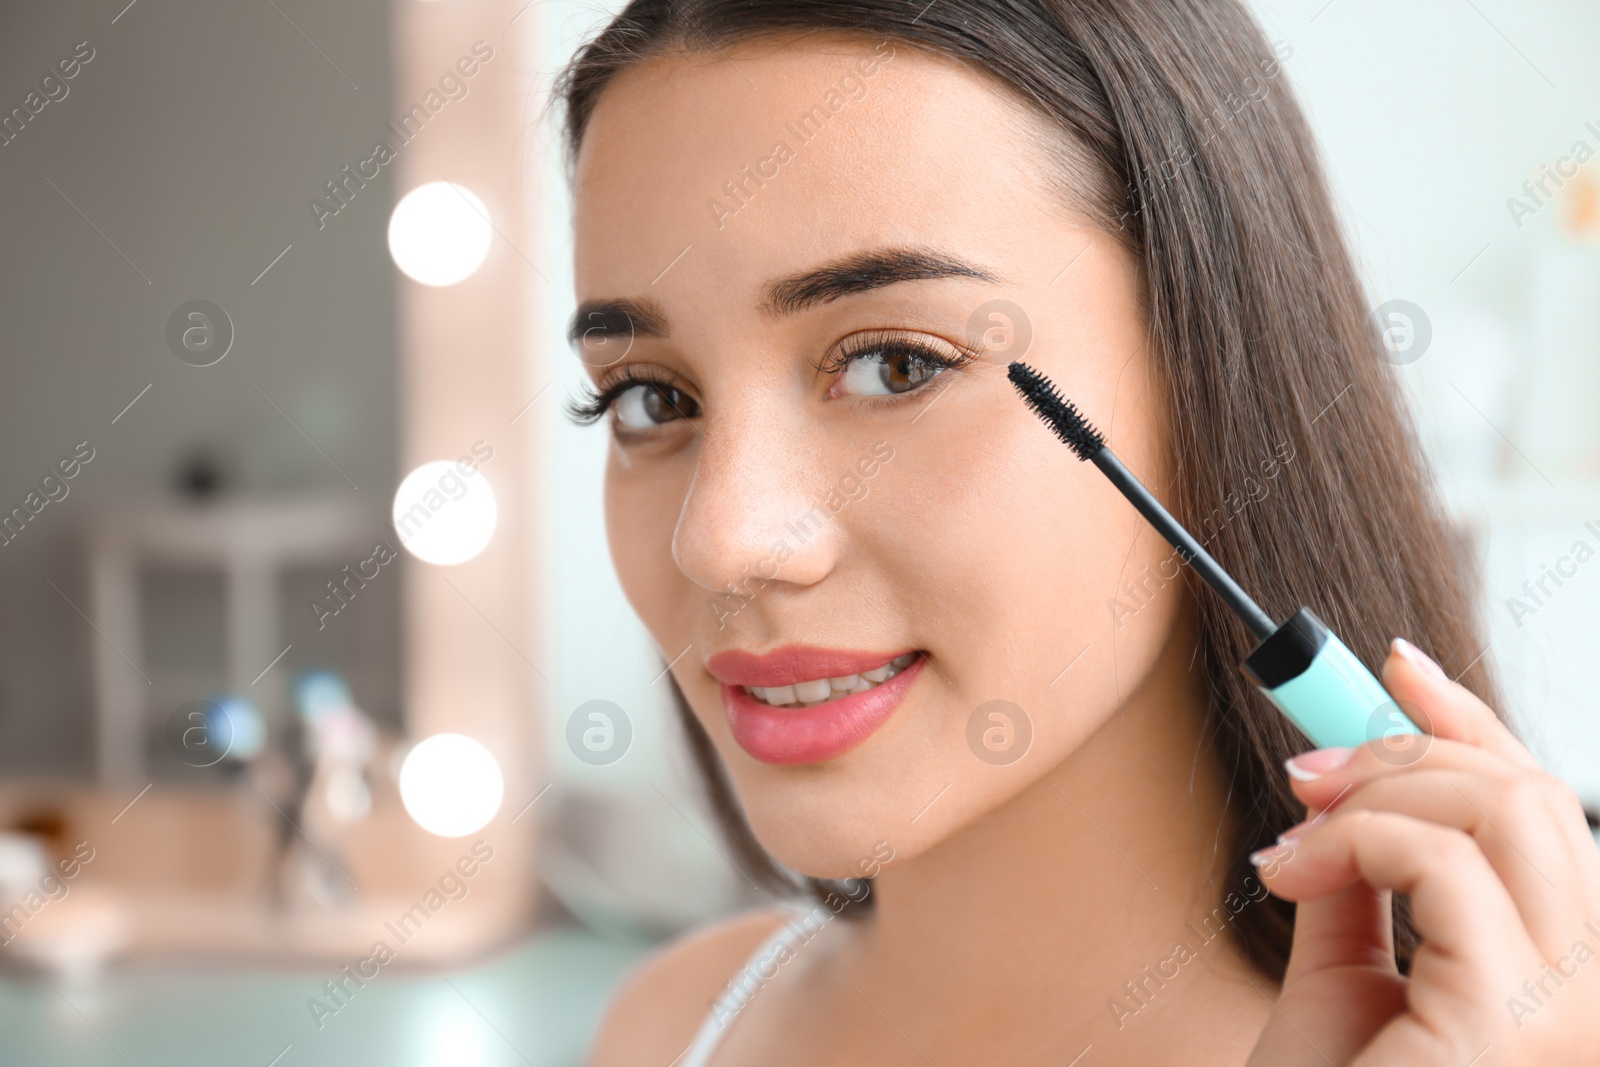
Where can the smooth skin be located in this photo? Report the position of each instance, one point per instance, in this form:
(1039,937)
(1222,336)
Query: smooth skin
(1022,897)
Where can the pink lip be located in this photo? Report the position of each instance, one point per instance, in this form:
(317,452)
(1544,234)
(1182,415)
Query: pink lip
(794,663)
(811,735)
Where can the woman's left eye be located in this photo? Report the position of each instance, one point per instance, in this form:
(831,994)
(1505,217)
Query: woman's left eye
(888,367)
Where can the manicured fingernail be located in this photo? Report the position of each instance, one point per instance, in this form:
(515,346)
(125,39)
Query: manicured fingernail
(1420,658)
(1261,856)
(1313,817)
(1309,766)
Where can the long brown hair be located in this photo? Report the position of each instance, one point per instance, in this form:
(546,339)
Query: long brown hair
(1181,138)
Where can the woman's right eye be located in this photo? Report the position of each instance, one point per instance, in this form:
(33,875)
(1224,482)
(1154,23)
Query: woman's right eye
(646,405)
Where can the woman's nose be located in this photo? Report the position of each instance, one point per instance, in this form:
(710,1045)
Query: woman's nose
(755,512)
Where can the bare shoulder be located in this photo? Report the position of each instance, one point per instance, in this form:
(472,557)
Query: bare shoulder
(661,1001)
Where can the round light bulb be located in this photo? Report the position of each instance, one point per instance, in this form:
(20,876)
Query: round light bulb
(451,785)
(439,233)
(445,512)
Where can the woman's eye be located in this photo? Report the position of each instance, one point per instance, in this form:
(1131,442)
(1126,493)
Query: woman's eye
(885,370)
(647,405)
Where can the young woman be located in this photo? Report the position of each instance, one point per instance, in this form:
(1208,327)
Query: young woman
(940,674)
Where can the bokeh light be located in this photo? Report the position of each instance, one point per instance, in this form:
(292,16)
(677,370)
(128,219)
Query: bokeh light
(445,512)
(244,728)
(439,233)
(319,692)
(451,785)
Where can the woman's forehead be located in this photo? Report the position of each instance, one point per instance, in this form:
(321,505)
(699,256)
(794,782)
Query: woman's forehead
(760,162)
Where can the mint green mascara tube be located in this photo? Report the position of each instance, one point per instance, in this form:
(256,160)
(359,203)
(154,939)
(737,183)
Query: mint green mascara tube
(1301,666)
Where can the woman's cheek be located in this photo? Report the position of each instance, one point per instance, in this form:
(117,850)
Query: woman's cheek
(640,515)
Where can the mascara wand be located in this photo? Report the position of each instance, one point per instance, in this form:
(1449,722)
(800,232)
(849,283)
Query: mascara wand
(1301,666)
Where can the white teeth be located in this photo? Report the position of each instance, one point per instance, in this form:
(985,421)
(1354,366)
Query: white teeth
(816,691)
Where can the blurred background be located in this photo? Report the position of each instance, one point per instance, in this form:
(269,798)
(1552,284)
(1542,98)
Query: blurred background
(326,735)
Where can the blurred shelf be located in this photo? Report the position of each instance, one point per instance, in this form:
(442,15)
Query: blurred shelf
(282,530)
(252,541)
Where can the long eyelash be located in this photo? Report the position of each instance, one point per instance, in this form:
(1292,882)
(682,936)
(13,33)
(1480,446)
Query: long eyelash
(838,357)
(591,404)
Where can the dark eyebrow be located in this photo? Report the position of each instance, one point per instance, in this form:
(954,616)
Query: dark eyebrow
(596,320)
(858,272)
(864,271)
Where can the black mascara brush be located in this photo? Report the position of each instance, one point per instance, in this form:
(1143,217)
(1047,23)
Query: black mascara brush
(1302,666)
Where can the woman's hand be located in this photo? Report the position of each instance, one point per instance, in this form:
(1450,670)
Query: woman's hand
(1504,883)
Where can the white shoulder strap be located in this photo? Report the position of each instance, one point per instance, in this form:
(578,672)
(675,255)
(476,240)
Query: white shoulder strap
(759,969)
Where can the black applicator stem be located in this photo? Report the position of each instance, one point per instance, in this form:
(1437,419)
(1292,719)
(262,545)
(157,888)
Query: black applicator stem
(1189,550)
(1301,666)
(1085,441)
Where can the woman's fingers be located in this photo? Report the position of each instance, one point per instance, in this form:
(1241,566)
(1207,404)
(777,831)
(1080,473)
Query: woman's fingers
(1448,709)
(1352,927)
(1343,953)
(1322,777)
(1530,824)
(1497,861)
(1525,818)
(1476,949)
(1456,897)
(1515,819)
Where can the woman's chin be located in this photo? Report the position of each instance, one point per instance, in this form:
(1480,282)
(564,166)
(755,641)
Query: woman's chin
(833,852)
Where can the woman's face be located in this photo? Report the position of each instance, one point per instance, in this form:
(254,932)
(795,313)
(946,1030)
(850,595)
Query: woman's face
(806,269)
